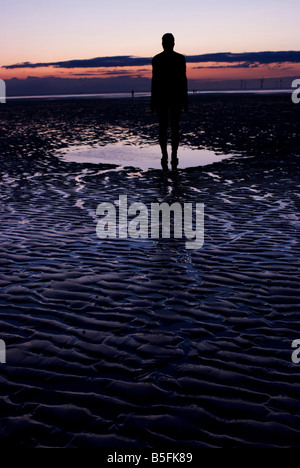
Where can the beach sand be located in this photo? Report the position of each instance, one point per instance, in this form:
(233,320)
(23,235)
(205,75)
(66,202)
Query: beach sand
(141,343)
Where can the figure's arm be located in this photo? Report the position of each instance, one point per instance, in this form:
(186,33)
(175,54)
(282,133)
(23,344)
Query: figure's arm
(185,88)
(153,88)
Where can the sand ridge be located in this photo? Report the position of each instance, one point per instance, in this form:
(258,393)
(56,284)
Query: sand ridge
(126,343)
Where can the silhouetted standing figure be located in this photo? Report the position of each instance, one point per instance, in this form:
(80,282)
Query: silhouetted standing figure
(169,96)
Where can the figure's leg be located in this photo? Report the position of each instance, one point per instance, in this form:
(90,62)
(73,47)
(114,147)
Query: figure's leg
(175,117)
(163,120)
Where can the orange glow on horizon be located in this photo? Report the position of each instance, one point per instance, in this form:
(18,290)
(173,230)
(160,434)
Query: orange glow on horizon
(247,73)
(200,71)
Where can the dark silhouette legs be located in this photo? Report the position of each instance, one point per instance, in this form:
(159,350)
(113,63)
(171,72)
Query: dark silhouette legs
(163,121)
(174,118)
(165,114)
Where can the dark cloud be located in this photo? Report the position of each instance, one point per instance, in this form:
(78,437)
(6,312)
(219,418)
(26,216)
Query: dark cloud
(116,72)
(262,58)
(248,59)
(102,62)
(236,65)
(109,73)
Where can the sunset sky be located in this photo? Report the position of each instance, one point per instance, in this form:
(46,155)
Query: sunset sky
(47,32)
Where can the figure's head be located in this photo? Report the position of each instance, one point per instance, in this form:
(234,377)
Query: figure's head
(168,42)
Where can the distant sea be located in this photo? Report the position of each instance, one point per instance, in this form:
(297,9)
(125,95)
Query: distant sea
(147,94)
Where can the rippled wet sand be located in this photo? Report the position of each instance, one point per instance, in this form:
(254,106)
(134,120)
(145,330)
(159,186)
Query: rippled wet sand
(131,344)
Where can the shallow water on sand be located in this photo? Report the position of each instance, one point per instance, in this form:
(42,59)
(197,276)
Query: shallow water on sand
(139,156)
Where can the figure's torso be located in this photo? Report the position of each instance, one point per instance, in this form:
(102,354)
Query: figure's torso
(169,75)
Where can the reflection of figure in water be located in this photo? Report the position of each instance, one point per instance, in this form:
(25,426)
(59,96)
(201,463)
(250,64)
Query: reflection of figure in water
(169,96)
(132,93)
